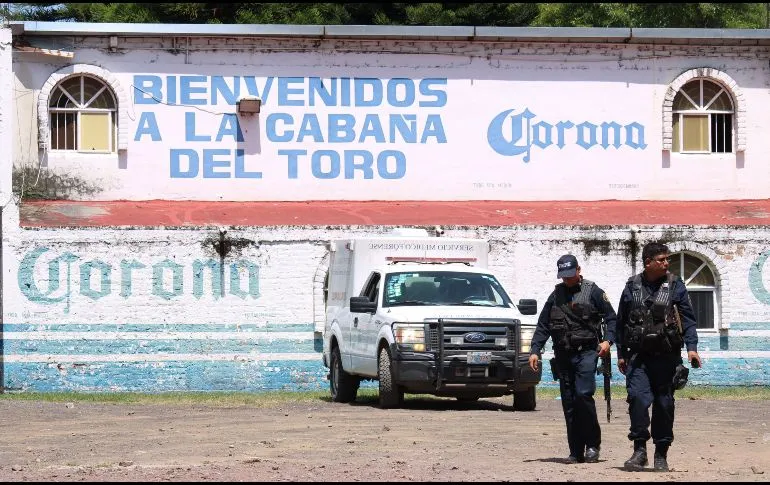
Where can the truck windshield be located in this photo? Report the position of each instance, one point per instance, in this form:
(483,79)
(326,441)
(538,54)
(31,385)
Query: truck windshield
(444,288)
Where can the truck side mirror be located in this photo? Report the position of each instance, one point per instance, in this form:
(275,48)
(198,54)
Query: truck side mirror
(527,306)
(361,304)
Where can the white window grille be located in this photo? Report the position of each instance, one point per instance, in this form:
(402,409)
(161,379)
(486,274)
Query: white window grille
(83,115)
(701,285)
(703,118)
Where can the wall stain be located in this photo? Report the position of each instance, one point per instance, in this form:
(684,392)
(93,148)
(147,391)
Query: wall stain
(591,246)
(671,235)
(222,246)
(31,183)
(631,250)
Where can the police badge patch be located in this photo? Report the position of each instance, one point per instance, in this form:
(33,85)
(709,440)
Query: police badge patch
(605,297)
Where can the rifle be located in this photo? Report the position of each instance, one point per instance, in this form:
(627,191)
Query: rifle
(607,373)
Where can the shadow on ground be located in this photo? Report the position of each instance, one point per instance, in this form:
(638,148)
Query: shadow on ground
(433,403)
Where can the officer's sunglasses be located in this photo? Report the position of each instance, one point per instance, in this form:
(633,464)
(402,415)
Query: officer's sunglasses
(662,259)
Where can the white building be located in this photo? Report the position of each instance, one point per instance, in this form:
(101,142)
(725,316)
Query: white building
(178,183)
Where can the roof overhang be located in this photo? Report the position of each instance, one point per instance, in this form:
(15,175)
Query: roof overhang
(467,33)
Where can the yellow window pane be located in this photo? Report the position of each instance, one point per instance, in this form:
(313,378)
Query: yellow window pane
(676,133)
(695,133)
(95,131)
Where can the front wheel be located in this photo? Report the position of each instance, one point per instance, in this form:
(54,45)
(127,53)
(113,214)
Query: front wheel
(343,386)
(391,394)
(525,400)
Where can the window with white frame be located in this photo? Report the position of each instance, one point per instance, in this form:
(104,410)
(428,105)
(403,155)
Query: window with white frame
(701,285)
(703,115)
(83,115)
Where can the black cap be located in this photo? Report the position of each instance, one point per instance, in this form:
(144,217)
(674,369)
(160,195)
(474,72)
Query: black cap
(567,266)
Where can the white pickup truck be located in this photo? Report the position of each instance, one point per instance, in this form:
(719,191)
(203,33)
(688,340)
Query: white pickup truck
(423,315)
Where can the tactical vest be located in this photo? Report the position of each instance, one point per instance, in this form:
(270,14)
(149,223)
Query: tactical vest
(575,324)
(651,328)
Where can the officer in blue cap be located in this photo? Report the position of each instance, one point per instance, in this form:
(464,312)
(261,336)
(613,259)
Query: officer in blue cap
(572,317)
(655,320)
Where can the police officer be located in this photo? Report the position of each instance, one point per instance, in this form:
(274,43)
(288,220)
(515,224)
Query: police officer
(572,318)
(655,318)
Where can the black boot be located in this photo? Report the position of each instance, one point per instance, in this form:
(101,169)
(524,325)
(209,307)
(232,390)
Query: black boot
(638,460)
(592,454)
(659,462)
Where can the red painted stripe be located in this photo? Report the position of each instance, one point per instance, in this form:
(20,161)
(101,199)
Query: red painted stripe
(155,213)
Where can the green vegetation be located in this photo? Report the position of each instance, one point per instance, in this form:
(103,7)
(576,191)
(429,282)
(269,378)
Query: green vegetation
(365,395)
(742,393)
(681,15)
(722,393)
(224,398)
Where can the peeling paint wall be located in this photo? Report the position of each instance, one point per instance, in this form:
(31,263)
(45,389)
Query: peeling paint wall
(164,309)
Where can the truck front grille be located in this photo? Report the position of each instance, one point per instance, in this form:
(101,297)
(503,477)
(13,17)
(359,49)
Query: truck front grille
(475,335)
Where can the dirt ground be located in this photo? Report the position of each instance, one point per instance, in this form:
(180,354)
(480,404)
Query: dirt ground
(428,440)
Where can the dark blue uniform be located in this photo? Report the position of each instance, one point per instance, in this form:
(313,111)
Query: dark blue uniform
(577,374)
(649,376)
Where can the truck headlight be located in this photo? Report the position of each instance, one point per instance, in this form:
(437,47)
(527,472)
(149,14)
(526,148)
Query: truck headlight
(526,339)
(410,336)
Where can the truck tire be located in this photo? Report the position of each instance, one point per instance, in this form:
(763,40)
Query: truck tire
(343,386)
(391,394)
(525,400)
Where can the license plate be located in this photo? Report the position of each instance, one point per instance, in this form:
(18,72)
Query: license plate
(479,357)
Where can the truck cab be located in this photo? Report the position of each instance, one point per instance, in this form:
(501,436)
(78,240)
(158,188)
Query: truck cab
(425,316)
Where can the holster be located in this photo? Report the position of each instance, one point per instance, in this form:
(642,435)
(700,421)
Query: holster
(554,368)
(680,377)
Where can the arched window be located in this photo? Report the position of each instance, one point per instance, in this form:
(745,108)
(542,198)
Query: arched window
(701,285)
(83,115)
(703,114)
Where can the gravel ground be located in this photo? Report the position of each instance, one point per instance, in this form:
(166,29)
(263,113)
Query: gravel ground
(427,440)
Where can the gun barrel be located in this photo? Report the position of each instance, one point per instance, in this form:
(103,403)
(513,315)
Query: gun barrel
(607,371)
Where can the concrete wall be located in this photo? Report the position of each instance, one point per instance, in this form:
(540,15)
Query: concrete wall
(486,120)
(162,309)
(7,118)
(154,309)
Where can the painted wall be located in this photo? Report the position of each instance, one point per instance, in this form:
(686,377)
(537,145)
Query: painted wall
(364,120)
(7,119)
(157,310)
